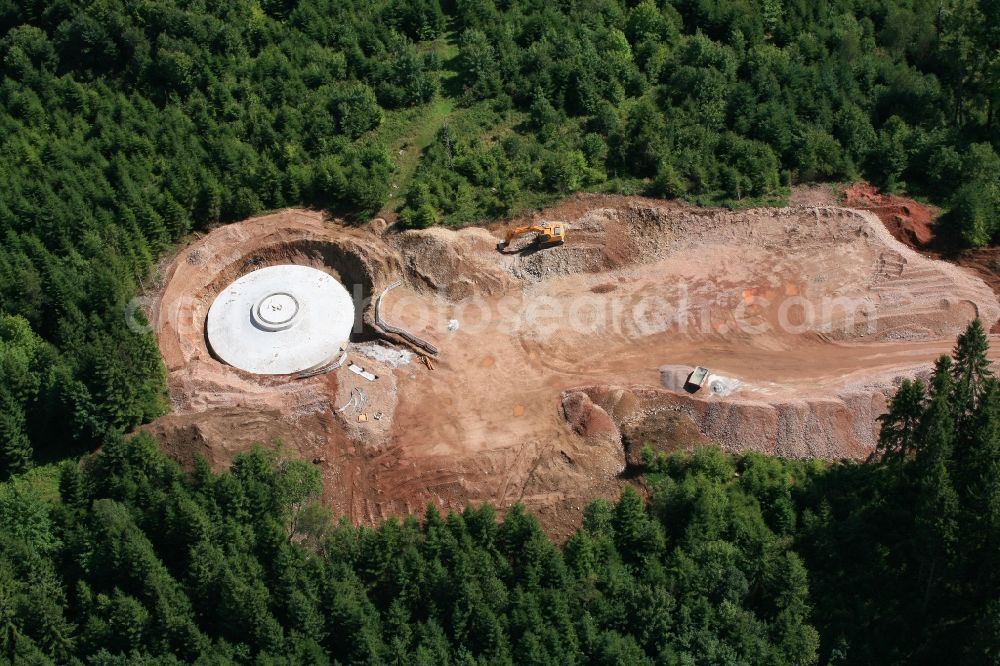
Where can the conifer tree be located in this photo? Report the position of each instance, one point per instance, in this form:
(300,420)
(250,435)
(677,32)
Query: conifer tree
(937,507)
(71,485)
(970,374)
(972,364)
(15,447)
(981,503)
(636,535)
(897,439)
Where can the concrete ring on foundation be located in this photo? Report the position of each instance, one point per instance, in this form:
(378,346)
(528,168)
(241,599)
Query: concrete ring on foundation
(280,320)
(276,312)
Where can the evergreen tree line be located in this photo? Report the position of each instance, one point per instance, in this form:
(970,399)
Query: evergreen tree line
(125,125)
(920,529)
(733,560)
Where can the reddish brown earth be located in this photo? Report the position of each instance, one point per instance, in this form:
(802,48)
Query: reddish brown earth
(567,360)
(909,221)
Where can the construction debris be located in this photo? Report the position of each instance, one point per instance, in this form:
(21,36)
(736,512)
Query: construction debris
(347,404)
(409,337)
(381,352)
(358,370)
(324,369)
(358,399)
(723,386)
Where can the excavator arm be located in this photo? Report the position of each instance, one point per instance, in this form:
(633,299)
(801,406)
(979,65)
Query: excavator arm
(547,234)
(520,231)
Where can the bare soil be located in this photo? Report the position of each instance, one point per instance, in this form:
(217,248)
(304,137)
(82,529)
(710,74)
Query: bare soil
(912,223)
(909,221)
(551,384)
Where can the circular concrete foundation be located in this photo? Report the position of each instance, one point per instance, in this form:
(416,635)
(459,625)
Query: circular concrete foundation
(280,320)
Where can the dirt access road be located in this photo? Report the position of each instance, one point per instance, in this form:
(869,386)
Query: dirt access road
(556,365)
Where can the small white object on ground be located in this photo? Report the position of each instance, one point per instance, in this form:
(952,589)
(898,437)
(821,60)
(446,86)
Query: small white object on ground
(358,370)
(388,355)
(452,325)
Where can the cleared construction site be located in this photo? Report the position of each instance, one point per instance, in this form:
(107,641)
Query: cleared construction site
(429,366)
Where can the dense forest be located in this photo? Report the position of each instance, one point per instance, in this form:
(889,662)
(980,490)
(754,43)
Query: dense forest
(124,559)
(126,124)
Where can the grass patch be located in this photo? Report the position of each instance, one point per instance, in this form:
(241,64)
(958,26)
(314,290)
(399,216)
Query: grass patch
(409,142)
(42,481)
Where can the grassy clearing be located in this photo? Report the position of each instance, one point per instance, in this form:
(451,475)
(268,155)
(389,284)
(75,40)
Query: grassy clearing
(408,142)
(408,132)
(42,481)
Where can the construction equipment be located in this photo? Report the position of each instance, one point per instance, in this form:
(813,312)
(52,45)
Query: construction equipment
(548,234)
(696,379)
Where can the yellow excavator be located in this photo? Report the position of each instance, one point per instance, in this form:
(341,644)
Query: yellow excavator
(548,234)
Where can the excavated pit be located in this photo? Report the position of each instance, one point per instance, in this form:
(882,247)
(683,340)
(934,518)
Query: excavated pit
(338,260)
(557,366)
